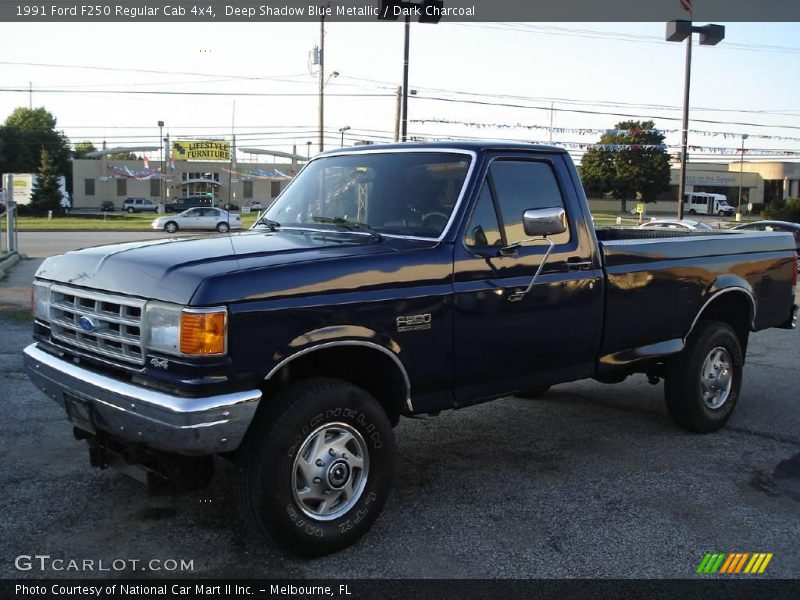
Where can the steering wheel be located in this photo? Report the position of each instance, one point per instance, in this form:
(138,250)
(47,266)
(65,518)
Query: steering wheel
(433,216)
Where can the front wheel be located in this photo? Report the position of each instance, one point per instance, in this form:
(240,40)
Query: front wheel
(131,210)
(171,227)
(316,468)
(721,213)
(702,383)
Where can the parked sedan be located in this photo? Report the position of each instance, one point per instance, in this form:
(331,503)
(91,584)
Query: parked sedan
(200,218)
(785,226)
(674,224)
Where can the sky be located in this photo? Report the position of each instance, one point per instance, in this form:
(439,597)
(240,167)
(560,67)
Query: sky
(580,75)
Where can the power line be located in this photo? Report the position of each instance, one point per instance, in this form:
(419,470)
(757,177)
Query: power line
(173,93)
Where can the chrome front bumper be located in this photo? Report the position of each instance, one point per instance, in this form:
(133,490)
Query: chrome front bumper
(189,426)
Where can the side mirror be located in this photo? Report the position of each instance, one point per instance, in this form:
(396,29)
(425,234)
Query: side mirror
(544,221)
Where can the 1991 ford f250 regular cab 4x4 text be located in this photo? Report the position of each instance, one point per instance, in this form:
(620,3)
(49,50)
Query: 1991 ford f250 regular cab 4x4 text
(386,282)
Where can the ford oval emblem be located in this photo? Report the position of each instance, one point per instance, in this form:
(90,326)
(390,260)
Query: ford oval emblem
(87,323)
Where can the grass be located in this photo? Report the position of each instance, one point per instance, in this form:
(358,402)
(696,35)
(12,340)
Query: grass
(109,222)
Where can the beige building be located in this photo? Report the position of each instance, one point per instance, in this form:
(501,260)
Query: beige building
(100,179)
(761,183)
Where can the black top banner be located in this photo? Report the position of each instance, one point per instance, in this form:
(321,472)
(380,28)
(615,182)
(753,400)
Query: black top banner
(243,11)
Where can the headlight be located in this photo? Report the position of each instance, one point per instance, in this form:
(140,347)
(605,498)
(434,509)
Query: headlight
(185,331)
(40,301)
(162,327)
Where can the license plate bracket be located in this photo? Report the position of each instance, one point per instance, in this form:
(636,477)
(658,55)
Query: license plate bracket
(79,411)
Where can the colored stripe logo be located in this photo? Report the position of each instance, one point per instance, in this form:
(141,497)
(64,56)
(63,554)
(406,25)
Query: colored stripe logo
(734,563)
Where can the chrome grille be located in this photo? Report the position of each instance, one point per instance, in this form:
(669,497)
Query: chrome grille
(112,324)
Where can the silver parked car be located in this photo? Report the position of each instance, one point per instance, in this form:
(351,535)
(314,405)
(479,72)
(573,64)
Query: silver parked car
(202,218)
(675,224)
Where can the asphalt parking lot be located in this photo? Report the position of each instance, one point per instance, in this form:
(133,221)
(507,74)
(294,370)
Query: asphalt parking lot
(591,481)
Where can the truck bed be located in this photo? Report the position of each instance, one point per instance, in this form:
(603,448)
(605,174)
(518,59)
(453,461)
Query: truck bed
(658,281)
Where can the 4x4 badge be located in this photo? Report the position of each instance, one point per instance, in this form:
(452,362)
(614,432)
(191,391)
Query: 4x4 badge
(159,363)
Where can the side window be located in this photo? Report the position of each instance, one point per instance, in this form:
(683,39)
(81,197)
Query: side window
(483,229)
(524,185)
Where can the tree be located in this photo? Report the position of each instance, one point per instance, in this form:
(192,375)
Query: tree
(82,149)
(46,194)
(23,136)
(631,163)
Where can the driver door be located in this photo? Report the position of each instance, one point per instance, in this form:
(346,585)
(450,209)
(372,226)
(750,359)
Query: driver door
(503,343)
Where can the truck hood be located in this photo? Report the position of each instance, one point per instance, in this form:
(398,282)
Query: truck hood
(172,270)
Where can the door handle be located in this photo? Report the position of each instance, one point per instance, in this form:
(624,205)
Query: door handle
(579,265)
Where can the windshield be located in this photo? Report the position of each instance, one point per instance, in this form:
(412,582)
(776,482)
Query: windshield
(401,193)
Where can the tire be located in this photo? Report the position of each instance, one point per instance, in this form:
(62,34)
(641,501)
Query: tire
(222,227)
(170,227)
(692,211)
(533,393)
(131,210)
(721,213)
(693,405)
(272,457)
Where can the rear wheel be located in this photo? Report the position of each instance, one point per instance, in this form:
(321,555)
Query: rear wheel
(131,210)
(702,383)
(316,468)
(692,211)
(222,227)
(171,227)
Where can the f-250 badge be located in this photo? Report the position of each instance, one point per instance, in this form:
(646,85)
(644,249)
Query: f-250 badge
(414,322)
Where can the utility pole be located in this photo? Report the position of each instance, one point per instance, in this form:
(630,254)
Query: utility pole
(404,129)
(322,83)
(397,114)
(30,95)
(552,106)
(163,164)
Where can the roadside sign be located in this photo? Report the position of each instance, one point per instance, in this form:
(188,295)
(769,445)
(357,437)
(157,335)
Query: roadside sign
(640,208)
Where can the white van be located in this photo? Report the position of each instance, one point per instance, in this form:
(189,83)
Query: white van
(702,203)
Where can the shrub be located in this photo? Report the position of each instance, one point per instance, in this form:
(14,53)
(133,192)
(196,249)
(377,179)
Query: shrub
(784,211)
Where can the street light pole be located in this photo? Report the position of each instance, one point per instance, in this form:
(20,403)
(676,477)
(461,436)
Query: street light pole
(342,130)
(710,35)
(741,180)
(422,9)
(685,126)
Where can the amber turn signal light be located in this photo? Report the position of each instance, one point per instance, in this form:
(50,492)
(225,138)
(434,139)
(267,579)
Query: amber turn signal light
(203,333)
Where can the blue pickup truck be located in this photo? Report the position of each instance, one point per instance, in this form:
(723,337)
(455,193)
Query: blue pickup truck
(386,282)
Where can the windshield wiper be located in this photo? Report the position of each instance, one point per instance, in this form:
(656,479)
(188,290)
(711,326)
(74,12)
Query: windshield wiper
(351,225)
(273,225)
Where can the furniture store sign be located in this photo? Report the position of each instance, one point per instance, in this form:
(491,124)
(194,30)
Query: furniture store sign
(201,150)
